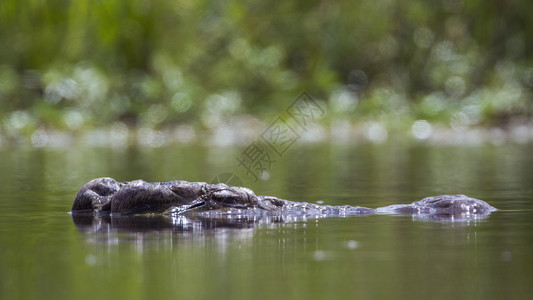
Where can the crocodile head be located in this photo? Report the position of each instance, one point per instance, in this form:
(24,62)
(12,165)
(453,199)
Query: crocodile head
(105,195)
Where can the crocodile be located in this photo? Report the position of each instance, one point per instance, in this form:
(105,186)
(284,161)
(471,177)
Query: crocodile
(106,196)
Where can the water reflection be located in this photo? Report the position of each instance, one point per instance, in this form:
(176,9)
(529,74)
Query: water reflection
(161,223)
(116,229)
(451,220)
(109,229)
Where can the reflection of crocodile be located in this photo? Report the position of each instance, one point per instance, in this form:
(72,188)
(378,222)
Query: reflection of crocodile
(104,196)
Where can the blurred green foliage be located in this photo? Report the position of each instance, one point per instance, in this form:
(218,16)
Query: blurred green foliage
(79,64)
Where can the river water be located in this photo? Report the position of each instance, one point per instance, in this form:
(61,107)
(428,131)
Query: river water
(45,254)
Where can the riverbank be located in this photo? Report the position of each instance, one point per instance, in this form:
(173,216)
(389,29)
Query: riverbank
(243,131)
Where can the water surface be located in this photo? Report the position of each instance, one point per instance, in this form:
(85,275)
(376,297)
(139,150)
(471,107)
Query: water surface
(45,255)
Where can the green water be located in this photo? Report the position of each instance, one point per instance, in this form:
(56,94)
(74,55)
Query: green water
(44,255)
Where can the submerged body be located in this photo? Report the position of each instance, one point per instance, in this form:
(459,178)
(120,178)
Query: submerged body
(107,196)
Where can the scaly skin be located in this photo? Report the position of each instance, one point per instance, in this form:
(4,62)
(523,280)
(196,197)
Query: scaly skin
(107,196)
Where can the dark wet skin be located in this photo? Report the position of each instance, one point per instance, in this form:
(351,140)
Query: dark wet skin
(104,196)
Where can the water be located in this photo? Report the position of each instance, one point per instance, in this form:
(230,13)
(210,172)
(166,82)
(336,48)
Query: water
(45,255)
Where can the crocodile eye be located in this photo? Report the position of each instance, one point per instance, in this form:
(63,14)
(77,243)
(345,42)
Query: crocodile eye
(225,196)
(444,204)
(229,198)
